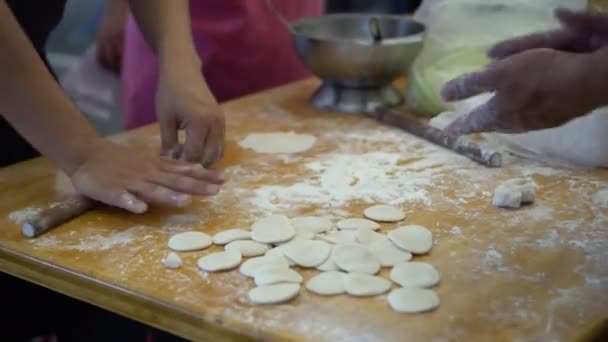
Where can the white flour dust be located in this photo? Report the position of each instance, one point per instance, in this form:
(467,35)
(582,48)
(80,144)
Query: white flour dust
(20,216)
(94,242)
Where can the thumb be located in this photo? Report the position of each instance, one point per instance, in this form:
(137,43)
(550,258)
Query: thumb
(169,134)
(587,22)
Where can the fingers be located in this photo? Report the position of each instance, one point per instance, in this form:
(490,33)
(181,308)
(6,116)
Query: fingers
(213,146)
(194,147)
(595,23)
(196,171)
(168,135)
(472,84)
(160,195)
(484,118)
(185,184)
(119,197)
(558,39)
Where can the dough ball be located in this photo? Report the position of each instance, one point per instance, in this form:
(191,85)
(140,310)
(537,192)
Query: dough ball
(274,274)
(415,274)
(356,223)
(413,300)
(356,258)
(172,260)
(227,236)
(220,261)
(507,198)
(278,142)
(327,283)
(272,229)
(514,192)
(274,294)
(414,239)
(248,248)
(307,253)
(388,254)
(313,224)
(189,241)
(384,213)
(361,284)
(249,267)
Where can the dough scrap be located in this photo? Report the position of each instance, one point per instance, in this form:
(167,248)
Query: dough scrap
(313,224)
(248,248)
(172,260)
(339,237)
(326,283)
(356,223)
(415,274)
(515,192)
(189,241)
(388,254)
(274,294)
(278,142)
(414,239)
(278,252)
(229,235)
(220,261)
(355,258)
(272,229)
(274,274)
(307,253)
(384,213)
(362,284)
(366,236)
(250,266)
(413,300)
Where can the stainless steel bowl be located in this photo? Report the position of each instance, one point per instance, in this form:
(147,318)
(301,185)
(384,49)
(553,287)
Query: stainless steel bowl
(340,47)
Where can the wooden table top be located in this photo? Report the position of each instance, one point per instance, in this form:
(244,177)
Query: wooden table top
(538,273)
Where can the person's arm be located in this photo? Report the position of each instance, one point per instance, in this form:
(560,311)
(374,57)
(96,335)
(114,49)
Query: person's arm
(110,34)
(183,99)
(33,103)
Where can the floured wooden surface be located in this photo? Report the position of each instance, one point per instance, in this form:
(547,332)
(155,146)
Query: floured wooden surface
(537,273)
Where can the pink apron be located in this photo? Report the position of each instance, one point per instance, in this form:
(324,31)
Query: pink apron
(243,46)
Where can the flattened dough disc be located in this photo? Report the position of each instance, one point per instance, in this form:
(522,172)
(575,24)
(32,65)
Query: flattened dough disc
(274,294)
(384,213)
(189,241)
(413,300)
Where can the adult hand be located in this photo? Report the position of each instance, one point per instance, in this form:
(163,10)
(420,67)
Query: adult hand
(535,89)
(131,179)
(110,35)
(183,101)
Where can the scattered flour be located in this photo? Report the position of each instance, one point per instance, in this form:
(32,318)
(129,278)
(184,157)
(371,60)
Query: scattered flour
(95,242)
(23,215)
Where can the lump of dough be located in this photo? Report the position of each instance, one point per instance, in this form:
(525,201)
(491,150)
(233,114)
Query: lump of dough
(248,248)
(172,260)
(362,284)
(384,213)
(327,283)
(249,267)
(339,237)
(227,236)
(278,142)
(220,261)
(415,274)
(189,241)
(506,198)
(274,294)
(272,229)
(366,236)
(414,239)
(388,254)
(355,258)
(356,223)
(274,274)
(413,300)
(514,192)
(313,224)
(307,253)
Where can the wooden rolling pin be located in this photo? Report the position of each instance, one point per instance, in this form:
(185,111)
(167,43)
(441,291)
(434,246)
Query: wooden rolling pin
(56,214)
(461,145)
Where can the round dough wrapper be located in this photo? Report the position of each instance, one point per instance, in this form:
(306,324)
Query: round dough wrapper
(361,284)
(307,253)
(172,260)
(414,239)
(413,300)
(248,248)
(313,224)
(278,252)
(356,223)
(366,236)
(272,229)
(227,236)
(274,294)
(274,274)
(384,213)
(415,274)
(220,261)
(339,237)
(189,241)
(355,258)
(249,267)
(329,264)
(278,142)
(388,254)
(327,283)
